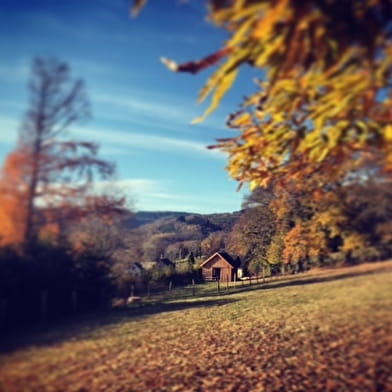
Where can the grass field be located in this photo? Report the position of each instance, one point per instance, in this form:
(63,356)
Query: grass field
(326,332)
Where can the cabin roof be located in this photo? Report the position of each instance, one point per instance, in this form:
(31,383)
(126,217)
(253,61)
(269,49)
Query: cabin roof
(232,260)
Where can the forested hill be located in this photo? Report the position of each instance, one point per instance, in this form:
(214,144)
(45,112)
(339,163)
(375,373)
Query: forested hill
(223,221)
(177,234)
(141,218)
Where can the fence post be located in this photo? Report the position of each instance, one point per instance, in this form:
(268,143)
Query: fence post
(170,285)
(193,288)
(218,286)
(227,283)
(74,297)
(132,290)
(3,311)
(235,280)
(44,306)
(102,299)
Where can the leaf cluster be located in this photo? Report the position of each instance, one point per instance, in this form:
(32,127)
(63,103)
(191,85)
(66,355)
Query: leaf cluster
(322,101)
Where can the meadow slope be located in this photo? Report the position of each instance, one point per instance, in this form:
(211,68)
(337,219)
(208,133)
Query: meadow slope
(325,336)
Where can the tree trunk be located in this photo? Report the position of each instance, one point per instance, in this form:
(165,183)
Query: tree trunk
(29,234)
(39,127)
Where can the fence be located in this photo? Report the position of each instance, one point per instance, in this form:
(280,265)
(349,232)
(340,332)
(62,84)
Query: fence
(51,304)
(210,288)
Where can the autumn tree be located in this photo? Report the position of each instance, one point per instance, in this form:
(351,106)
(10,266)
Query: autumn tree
(365,223)
(214,242)
(95,239)
(47,169)
(322,103)
(253,232)
(181,249)
(274,252)
(155,246)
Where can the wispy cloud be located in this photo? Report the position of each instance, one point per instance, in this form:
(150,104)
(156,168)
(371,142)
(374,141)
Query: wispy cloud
(6,105)
(141,192)
(15,72)
(139,185)
(144,141)
(143,107)
(183,39)
(119,142)
(202,203)
(87,31)
(8,129)
(110,151)
(149,194)
(132,187)
(86,67)
(154,112)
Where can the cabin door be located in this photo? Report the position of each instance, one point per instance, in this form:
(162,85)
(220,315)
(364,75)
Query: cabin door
(216,273)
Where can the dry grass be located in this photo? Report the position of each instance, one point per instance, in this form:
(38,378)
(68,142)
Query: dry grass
(333,335)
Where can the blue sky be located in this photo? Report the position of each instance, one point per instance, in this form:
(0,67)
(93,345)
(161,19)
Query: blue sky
(141,112)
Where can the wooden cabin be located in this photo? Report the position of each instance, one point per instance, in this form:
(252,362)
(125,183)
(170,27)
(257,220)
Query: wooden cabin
(220,266)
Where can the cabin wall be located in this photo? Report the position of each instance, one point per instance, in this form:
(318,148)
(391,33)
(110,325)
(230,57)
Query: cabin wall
(206,273)
(226,274)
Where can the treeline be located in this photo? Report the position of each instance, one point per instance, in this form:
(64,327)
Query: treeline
(48,282)
(293,230)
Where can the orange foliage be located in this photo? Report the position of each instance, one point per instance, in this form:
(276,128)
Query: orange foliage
(49,232)
(12,200)
(304,240)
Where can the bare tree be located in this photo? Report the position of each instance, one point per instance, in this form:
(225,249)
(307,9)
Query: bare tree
(54,167)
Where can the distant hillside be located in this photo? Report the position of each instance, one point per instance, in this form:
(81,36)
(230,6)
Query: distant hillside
(224,220)
(176,234)
(141,218)
(221,221)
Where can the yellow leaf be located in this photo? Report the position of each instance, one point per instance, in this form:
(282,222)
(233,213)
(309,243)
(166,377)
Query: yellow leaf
(388,133)
(243,119)
(220,91)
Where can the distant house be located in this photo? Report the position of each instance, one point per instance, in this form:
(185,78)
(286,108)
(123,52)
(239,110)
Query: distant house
(221,266)
(164,262)
(136,269)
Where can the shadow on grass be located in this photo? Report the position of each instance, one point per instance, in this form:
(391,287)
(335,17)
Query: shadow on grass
(286,281)
(85,326)
(82,327)
(299,280)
